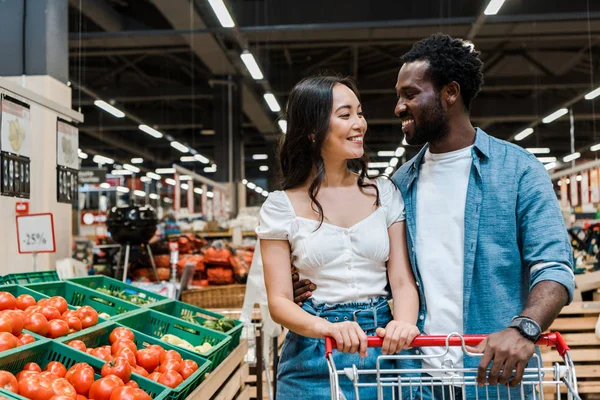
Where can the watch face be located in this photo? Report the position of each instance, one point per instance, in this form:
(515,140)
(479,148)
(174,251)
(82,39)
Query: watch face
(529,328)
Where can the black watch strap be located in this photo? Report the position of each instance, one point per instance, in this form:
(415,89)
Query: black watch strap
(527,327)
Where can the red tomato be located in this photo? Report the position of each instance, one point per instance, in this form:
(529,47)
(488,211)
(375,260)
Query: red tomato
(37,323)
(70,313)
(102,354)
(81,376)
(62,387)
(6,323)
(25,374)
(59,303)
(119,367)
(42,302)
(171,379)
(141,371)
(170,365)
(170,355)
(26,338)
(123,343)
(80,397)
(129,393)
(189,364)
(129,355)
(56,368)
(8,341)
(7,301)
(31,366)
(32,309)
(154,376)
(24,301)
(104,387)
(16,321)
(88,316)
(8,382)
(57,328)
(74,323)
(36,387)
(148,359)
(50,375)
(77,344)
(157,349)
(61,397)
(132,384)
(120,333)
(50,312)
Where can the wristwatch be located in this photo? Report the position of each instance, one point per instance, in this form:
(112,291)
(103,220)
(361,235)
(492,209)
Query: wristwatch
(526,327)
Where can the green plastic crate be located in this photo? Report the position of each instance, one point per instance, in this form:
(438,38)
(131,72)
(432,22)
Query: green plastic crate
(10,395)
(79,296)
(42,353)
(99,337)
(181,310)
(100,281)
(157,324)
(17,290)
(23,278)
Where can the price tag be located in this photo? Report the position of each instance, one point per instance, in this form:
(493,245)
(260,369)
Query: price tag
(35,233)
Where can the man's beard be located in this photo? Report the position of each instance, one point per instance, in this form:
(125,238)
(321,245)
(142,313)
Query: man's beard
(433,125)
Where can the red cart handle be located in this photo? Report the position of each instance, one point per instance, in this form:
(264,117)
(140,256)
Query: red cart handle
(550,339)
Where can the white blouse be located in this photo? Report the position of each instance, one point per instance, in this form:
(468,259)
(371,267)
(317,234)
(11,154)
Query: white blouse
(346,264)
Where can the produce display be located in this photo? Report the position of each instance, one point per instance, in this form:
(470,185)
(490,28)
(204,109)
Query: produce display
(138,299)
(224,324)
(172,339)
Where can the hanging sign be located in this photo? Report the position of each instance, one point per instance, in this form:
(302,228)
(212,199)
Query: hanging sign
(15,128)
(67,143)
(35,233)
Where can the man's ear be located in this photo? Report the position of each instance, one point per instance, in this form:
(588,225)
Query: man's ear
(451,92)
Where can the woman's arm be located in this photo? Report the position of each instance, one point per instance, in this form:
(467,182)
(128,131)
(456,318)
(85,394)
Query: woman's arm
(278,280)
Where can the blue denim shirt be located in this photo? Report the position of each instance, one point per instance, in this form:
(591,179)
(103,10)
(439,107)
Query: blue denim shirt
(515,235)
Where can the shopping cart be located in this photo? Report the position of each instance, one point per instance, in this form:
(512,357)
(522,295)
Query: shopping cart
(538,382)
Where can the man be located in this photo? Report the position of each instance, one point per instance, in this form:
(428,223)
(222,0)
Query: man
(486,237)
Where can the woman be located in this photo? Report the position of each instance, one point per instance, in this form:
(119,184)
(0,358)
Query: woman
(338,228)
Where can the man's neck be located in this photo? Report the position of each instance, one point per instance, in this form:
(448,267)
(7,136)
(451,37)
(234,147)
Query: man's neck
(461,135)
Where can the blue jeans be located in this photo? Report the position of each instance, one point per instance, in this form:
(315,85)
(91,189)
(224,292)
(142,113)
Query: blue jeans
(303,371)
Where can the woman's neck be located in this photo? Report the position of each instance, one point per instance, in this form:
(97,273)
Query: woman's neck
(337,174)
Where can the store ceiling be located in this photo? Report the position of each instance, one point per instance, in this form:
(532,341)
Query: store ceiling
(539,56)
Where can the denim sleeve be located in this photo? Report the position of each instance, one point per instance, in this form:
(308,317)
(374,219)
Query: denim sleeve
(543,238)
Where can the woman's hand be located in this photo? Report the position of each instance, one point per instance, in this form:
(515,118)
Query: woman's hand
(397,335)
(349,337)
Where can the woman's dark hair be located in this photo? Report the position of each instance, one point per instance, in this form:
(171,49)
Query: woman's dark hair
(308,112)
(450,59)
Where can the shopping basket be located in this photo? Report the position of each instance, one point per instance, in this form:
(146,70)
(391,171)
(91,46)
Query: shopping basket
(538,381)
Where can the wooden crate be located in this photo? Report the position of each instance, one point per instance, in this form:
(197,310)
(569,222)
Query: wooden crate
(577,324)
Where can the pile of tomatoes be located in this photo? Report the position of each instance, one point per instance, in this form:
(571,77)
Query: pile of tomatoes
(48,317)
(123,358)
(55,382)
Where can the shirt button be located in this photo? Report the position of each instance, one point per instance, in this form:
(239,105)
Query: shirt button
(349,267)
(421,317)
(346,233)
(353,285)
(417,352)
(413,249)
(418,284)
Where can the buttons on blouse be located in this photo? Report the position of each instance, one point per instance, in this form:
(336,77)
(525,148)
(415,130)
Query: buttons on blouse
(346,233)
(349,267)
(353,285)
(421,317)
(418,284)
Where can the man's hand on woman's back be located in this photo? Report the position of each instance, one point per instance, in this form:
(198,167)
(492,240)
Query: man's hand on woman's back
(302,289)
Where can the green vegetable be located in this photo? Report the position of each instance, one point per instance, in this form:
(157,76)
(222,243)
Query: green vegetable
(226,324)
(210,324)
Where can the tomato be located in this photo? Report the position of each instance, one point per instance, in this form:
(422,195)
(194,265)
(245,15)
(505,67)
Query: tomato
(157,349)
(61,397)
(148,359)
(8,382)
(57,328)
(50,375)
(129,393)
(154,376)
(6,323)
(25,374)
(24,301)
(80,397)
(88,316)
(32,309)
(73,323)
(81,376)
(42,302)
(102,354)
(8,341)
(37,323)
(56,368)
(123,343)
(36,387)
(120,333)
(171,379)
(170,355)
(50,313)
(7,301)
(132,384)
(31,366)
(104,387)
(70,313)
(16,321)
(59,303)
(25,338)
(119,367)
(129,355)
(62,387)
(77,344)
(170,365)
(189,364)
(140,371)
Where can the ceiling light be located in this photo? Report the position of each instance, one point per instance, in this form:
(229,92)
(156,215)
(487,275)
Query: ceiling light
(523,134)
(272,102)
(207,132)
(202,159)
(550,166)
(210,169)
(378,165)
(595,147)
(251,185)
(210,194)
(187,159)
(282,125)
(145,179)
(131,168)
(389,170)
(404,142)
(120,172)
(98,159)
(109,109)
(185,178)
(137,160)
(400,151)
(258,190)
(105,185)
(122,189)
(493,7)
(82,155)
(222,13)
(568,181)
(170,181)
(545,160)
(593,94)
(571,157)
(154,196)
(185,186)
(579,178)
(538,150)
(372,172)
(394,162)
(263,168)
(244,181)
(167,200)
(153,176)
(260,157)
(198,191)
(178,146)
(165,170)
(150,131)
(140,193)
(251,65)
(386,153)
(265,193)
(555,115)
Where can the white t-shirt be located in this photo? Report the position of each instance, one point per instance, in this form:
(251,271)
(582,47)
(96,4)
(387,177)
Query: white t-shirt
(441,199)
(346,264)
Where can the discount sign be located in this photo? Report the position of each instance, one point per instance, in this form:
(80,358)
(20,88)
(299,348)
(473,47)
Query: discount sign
(35,233)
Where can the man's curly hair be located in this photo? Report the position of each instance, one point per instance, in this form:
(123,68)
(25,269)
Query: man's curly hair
(450,59)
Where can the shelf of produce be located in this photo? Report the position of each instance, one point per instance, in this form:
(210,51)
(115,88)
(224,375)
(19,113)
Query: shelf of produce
(228,380)
(157,324)
(100,337)
(23,278)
